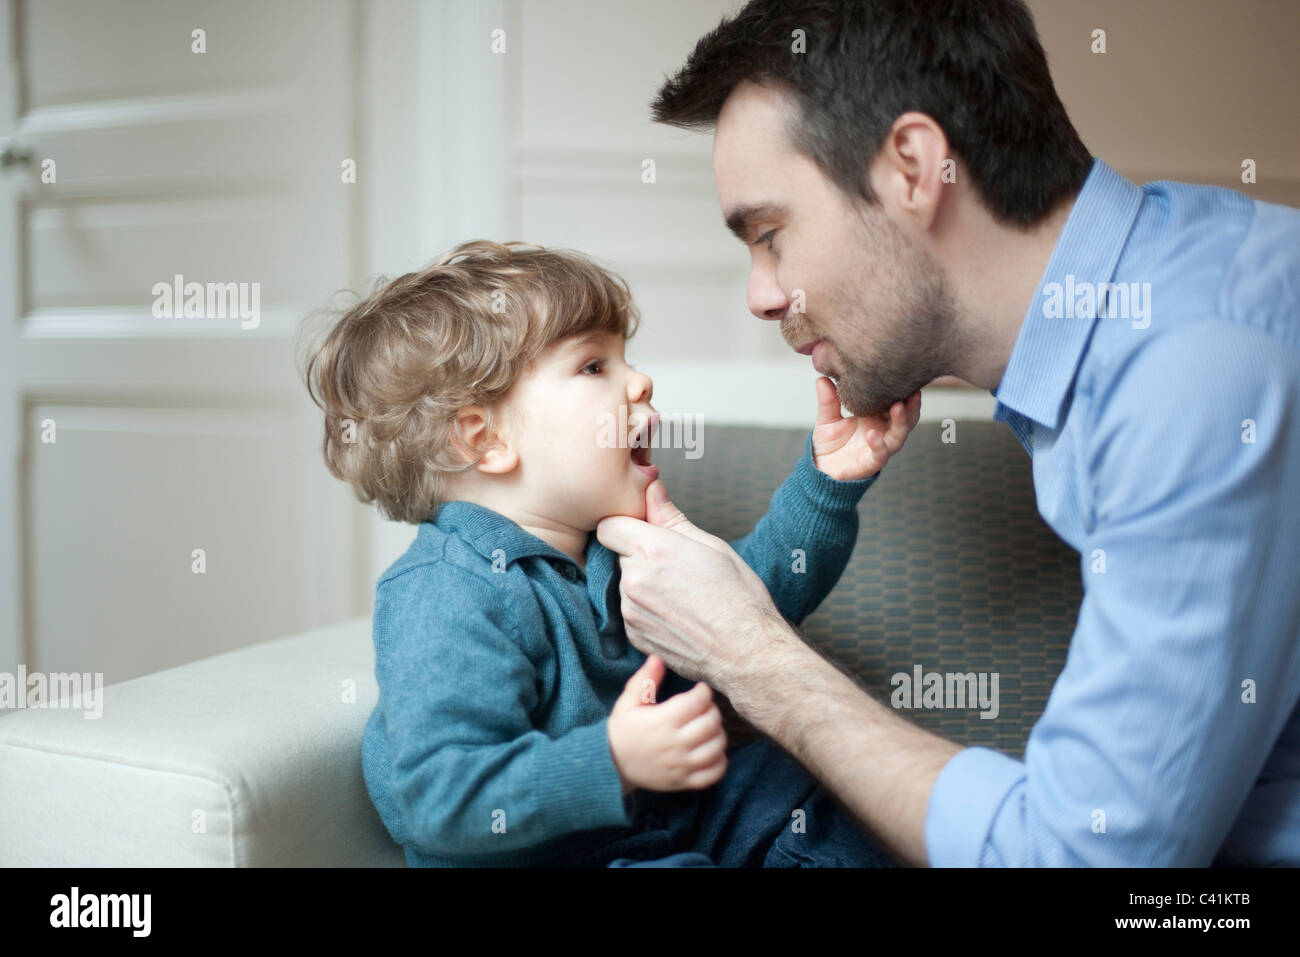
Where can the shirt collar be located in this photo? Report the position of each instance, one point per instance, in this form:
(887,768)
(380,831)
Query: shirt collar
(486,530)
(1040,373)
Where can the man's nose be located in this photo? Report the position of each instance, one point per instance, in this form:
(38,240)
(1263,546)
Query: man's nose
(766,298)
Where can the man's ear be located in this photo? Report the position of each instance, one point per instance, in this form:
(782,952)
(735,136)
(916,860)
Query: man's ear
(477,439)
(913,168)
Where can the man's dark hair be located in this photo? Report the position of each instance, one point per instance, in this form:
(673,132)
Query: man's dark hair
(974,66)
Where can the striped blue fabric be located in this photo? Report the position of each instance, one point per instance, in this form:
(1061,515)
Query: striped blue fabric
(1156,384)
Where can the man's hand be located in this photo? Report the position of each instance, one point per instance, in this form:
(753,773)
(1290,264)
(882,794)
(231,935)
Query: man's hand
(689,597)
(686,594)
(855,447)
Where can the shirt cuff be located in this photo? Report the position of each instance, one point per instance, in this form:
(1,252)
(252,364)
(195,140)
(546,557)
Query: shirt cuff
(578,784)
(965,799)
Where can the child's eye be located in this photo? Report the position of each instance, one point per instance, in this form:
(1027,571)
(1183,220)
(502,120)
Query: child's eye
(597,363)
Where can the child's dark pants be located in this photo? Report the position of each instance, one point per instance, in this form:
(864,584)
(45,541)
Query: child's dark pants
(767,811)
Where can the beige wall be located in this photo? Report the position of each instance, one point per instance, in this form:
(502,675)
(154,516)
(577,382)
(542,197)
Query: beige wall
(546,141)
(1186,89)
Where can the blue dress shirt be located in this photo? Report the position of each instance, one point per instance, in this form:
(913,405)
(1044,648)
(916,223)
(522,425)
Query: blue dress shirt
(1155,383)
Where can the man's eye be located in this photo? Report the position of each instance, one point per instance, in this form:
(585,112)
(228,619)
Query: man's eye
(598,363)
(766,238)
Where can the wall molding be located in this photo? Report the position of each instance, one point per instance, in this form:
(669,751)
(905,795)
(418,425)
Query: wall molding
(159,110)
(111,323)
(600,168)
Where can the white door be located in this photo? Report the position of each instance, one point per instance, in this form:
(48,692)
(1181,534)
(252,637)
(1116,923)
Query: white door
(164,496)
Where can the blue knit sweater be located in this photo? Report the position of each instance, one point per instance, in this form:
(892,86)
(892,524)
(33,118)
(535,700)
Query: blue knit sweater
(498,661)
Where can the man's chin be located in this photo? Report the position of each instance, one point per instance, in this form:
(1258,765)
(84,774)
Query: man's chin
(864,405)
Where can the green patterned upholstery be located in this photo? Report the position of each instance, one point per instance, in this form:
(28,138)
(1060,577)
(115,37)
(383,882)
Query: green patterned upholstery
(954,569)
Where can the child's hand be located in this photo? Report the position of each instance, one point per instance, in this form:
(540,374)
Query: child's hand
(679,745)
(858,446)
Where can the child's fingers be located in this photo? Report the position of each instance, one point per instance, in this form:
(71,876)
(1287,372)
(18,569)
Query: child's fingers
(898,416)
(706,755)
(700,729)
(707,777)
(642,686)
(681,708)
(913,409)
(828,401)
(901,423)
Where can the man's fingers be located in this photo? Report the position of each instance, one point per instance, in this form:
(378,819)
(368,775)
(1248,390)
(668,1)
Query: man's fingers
(659,509)
(629,536)
(622,534)
(662,513)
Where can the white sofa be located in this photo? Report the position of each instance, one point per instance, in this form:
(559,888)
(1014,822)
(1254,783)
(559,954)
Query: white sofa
(250,758)
(262,748)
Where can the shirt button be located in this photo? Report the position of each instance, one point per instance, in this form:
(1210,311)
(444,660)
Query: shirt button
(569,572)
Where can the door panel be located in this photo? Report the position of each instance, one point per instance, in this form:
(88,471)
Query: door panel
(170,434)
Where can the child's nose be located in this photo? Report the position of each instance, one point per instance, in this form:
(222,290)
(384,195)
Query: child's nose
(641,387)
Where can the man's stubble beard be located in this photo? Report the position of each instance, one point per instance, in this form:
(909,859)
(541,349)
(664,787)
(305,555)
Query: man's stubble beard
(916,339)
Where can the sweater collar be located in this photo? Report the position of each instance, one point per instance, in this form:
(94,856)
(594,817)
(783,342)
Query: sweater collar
(486,531)
(1040,373)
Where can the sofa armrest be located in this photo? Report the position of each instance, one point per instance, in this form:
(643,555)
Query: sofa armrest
(249,758)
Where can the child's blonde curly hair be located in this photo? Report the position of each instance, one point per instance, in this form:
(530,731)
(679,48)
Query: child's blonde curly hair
(394,370)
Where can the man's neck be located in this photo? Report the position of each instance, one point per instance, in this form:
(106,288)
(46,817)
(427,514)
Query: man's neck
(995,274)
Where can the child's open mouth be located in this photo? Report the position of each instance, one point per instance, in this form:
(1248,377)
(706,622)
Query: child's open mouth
(640,442)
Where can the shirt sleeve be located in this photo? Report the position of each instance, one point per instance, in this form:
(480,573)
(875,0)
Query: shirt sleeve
(802,545)
(469,773)
(1185,664)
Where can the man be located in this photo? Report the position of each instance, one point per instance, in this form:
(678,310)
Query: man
(917,203)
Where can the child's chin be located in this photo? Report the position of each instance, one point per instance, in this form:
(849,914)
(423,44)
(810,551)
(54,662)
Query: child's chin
(631,511)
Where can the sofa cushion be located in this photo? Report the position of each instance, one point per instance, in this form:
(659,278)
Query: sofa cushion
(954,569)
(248,758)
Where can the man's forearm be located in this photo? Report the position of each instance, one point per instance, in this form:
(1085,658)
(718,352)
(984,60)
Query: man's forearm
(879,765)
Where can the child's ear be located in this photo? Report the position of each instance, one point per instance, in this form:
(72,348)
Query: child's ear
(498,457)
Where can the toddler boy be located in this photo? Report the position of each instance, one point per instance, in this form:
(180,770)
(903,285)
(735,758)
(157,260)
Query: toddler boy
(516,726)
